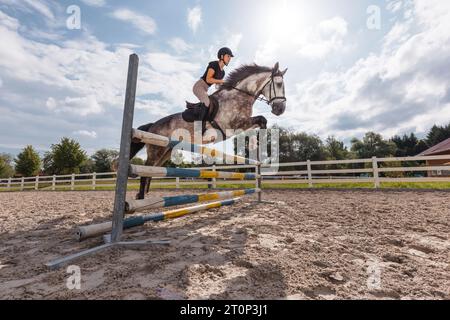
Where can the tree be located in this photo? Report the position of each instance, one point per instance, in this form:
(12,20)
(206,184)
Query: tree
(372,145)
(6,167)
(137,161)
(421,147)
(87,166)
(437,135)
(307,147)
(28,162)
(295,146)
(48,164)
(103,160)
(407,146)
(335,149)
(65,157)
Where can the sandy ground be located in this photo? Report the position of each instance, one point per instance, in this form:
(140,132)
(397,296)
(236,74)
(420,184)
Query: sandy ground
(306,245)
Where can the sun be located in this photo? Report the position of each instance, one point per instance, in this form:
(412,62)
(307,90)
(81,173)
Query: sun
(287,18)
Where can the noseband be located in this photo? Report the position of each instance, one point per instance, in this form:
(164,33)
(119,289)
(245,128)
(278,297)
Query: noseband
(272,86)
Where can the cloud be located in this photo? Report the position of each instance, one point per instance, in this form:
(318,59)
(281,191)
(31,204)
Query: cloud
(313,43)
(34,13)
(170,77)
(179,45)
(85,133)
(394,6)
(233,41)
(8,22)
(327,37)
(165,63)
(41,7)
(80,106)
(194,18)
(84,78)
(141,22)
(404,88)
(40,34)
(128,45)
(157,108)
(95,3)
(267,53)
(224,38)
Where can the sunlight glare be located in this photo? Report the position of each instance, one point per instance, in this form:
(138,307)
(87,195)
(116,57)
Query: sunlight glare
(287,18)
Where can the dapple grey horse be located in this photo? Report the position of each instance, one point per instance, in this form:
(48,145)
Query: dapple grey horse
(236,98)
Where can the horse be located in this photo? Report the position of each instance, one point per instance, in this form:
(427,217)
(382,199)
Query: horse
(236,97)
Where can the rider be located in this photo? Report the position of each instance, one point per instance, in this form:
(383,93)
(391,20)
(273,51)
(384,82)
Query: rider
(214,74)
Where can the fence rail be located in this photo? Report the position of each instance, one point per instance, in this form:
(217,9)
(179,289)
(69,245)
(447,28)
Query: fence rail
(374,173)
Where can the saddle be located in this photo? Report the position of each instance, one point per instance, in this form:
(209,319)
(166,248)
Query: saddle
(200,112)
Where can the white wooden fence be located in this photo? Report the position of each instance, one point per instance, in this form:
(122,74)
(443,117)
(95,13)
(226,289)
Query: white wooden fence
(273,174)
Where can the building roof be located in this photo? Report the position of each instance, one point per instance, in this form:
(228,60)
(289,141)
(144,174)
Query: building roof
(439,148)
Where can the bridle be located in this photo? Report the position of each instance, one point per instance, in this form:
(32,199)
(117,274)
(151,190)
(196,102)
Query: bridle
(257,96)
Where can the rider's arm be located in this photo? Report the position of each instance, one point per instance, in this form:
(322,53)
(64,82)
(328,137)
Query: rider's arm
(210,79)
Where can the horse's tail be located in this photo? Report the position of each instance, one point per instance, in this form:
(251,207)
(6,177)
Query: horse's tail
(137,146)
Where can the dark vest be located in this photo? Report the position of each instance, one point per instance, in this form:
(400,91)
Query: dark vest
(218,74)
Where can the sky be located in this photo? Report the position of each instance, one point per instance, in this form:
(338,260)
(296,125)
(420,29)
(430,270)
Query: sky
(354,66)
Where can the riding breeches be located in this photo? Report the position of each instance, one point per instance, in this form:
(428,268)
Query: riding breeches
(200,90)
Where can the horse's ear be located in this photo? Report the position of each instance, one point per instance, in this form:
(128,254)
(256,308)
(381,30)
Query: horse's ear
(284,72)
(275,68)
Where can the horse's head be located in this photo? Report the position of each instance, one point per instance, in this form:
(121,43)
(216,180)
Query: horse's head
(274,91)
(254,80)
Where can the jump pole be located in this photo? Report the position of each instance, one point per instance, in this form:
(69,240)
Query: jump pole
(93,230)
(161,141)
(147,171)
(132,206)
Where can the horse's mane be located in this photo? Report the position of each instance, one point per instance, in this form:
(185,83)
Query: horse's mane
(241,73)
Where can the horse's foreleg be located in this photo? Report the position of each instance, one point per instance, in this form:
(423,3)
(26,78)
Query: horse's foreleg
(145,185)
(258,122)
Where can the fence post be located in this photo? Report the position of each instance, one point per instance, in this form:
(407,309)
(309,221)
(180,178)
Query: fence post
(36,183)
(72,182)
(308,165)
(177,182)
(258,181)
(376,178)
(54,182)
(94,177)
(9,183)
(214,185)
(22,183)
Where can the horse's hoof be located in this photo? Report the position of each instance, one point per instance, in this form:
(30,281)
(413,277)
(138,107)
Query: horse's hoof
(138,197)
